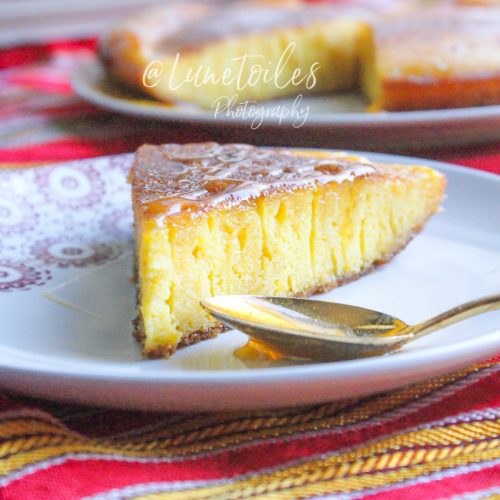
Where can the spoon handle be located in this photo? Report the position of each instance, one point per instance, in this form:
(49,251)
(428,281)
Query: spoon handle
(459,313)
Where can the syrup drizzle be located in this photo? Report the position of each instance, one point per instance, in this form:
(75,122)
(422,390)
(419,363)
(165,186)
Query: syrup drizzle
(221,23)
(192,178)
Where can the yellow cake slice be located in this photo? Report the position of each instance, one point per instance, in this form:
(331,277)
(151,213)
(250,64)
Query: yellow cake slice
(216,219)
(440,57)
(403,54)
(255,50)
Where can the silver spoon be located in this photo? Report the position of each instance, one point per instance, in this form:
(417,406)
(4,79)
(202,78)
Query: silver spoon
(327,331)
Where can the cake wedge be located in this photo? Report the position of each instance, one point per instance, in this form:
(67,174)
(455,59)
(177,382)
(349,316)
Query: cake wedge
(215,219)
(439,57)
(208,53)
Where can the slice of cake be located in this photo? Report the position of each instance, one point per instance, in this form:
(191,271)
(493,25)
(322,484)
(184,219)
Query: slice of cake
(216,219)
(254,50)
(404,54)
(434,58)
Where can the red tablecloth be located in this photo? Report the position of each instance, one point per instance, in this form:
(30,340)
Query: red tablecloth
(438,439)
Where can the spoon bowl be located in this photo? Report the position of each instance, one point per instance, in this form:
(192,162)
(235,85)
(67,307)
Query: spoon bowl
(327,331)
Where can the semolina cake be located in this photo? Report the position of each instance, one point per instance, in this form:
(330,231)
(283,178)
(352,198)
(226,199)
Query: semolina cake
(253,50)
(441,57)
(214,219)
(401,54)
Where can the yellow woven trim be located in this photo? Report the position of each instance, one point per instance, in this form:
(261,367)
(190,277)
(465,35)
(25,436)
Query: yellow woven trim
(495,496)
(277,423)
(26,164)
(30,439)
(202,433)
(360,469)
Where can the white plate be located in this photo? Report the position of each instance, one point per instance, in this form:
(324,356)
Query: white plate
(332,121)
(66,300)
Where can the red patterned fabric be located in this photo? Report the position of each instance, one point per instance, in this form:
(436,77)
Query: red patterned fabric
(438,439)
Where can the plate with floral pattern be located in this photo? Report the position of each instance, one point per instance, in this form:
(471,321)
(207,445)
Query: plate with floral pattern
(67,300)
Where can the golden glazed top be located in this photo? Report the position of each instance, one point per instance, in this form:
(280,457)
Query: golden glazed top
(442,41)
(185,26)
(191,178)
(225,21)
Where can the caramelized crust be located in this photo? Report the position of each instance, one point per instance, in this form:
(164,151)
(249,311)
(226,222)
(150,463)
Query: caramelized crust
(178,179)
(399,95)
(192,26)
(226,22)
(441,57)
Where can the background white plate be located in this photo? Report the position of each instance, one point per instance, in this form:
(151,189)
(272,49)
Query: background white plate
(333,121)
(66,300)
